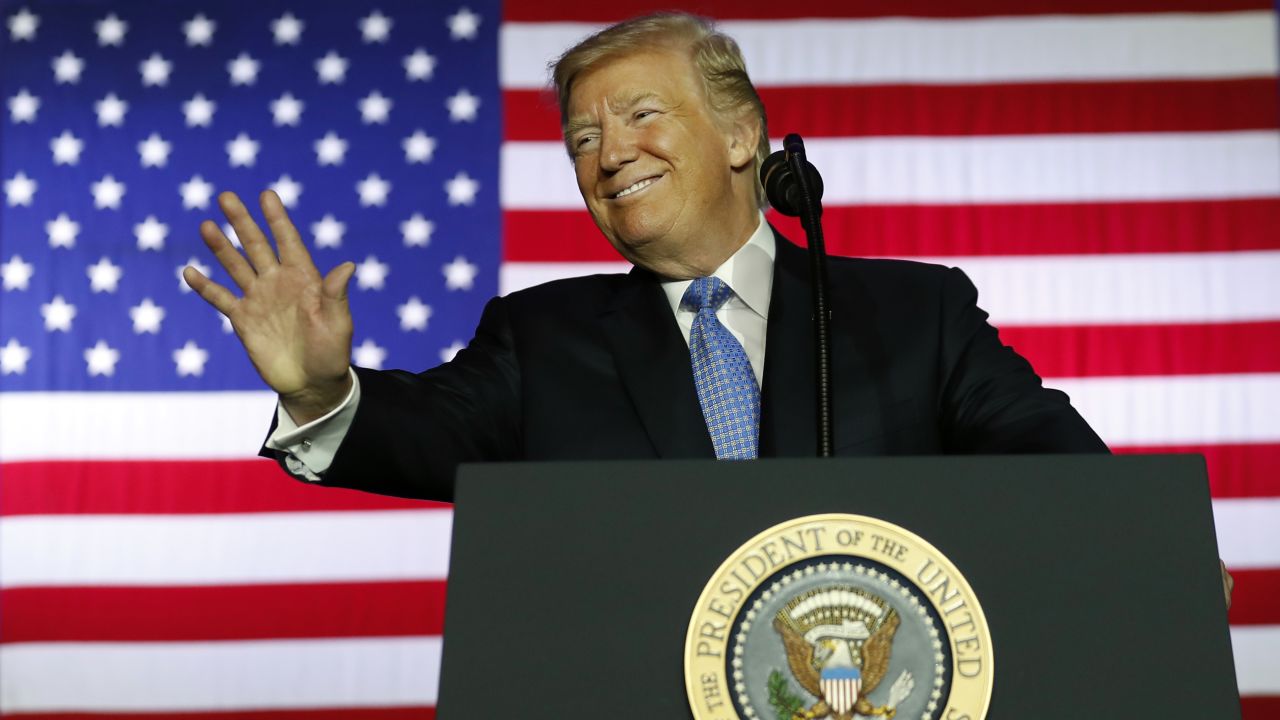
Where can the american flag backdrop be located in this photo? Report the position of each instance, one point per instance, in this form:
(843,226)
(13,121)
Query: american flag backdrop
(1107,171)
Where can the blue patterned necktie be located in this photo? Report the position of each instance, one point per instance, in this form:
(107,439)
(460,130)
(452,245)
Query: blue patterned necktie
(727,388)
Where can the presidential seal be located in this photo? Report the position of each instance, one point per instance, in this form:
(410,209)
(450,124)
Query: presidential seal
(841,617)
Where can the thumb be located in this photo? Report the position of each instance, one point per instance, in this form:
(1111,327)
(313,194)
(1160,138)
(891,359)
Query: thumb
(334,286)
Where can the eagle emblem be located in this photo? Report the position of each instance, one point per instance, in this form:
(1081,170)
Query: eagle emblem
(839,641)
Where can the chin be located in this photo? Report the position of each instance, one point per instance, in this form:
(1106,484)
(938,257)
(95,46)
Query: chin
(631,248)
(640,230)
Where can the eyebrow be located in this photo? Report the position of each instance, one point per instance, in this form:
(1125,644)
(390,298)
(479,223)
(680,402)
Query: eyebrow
(577,124)
(616,103)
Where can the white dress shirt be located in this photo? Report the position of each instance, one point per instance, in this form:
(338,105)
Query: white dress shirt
(748,272)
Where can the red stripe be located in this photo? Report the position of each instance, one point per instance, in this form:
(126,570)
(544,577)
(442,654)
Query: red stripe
(1260,707)
(370,713)
(173,487)
(1253,601)
(1048,229)
(1235,471)
(1044,108)
(578,11)
(958,230)
(1102,107)
(553,236)
(530,115)
(1113,350)
(221,612)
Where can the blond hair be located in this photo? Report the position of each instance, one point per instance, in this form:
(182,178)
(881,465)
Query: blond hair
(715,55)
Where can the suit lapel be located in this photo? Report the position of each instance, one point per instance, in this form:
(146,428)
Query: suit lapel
(653,364)
(786,398)
(788,422)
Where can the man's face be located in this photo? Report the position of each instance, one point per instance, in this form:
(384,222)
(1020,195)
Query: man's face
(655,167)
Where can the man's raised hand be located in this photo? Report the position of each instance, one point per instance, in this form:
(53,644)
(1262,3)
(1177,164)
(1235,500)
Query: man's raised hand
(295,325)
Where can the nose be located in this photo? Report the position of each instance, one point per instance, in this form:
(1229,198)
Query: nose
(617,147)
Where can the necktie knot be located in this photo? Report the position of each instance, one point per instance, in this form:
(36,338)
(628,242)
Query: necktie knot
(706,293)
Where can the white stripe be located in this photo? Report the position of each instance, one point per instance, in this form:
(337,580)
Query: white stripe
(1072,289)
(1257,653)
(276,674)
(1124,288)
(956,50)
(133,425)
(1179,409)
(148,550)
(51,550)
(237,675)
(988,169)
(1249,533)
(45,550)
(335,673)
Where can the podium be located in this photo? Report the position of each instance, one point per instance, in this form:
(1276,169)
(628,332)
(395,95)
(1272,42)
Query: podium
(572,585)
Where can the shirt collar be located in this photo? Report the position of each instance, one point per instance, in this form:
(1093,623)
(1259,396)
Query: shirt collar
(749,271)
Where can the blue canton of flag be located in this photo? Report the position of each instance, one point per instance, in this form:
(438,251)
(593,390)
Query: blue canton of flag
(379,128)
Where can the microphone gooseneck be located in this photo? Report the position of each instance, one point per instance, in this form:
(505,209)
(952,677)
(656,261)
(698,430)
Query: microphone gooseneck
(794,187)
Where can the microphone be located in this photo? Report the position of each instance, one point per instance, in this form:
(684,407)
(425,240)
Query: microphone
(794,188)
(781,185)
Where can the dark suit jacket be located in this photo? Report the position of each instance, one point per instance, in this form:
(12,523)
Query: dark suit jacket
(596,368)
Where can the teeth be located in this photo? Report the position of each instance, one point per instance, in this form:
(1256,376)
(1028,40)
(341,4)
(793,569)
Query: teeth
(643,183)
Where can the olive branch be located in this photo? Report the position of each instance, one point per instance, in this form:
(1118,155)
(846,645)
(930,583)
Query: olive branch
(783,701)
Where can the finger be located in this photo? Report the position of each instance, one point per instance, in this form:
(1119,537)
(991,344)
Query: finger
(288,241)
(228,257)
(255,244)
(333,291)
(219,297)
(335,283)
(1228,583)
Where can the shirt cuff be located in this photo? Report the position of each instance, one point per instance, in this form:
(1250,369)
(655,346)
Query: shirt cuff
(309,449)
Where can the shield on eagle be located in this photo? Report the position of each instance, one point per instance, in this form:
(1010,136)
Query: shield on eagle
(840,687)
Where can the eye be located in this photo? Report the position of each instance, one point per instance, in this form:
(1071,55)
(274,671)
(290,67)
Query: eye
(642,114)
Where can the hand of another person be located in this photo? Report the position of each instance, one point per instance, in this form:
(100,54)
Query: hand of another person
(1228,583)
(295,325)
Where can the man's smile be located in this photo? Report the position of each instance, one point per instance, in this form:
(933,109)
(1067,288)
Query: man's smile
(635,187)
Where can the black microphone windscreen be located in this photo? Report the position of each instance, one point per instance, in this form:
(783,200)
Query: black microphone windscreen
(779,184)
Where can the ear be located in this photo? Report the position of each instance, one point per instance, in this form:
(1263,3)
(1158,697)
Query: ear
(743,138)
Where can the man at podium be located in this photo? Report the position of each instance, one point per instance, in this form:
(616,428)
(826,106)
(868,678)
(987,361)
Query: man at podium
(703,350)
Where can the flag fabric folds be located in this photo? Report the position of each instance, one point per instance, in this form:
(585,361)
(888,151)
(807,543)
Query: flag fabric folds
(1108,173)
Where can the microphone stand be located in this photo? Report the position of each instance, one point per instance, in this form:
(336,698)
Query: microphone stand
(811,220)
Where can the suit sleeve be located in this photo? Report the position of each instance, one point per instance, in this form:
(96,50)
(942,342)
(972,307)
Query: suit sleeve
(992,400)
(412,430)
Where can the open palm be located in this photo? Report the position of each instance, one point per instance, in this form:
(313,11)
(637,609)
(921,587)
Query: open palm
(295,325)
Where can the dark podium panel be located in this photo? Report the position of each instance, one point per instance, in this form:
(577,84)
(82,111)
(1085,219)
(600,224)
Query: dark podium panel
(571,585)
